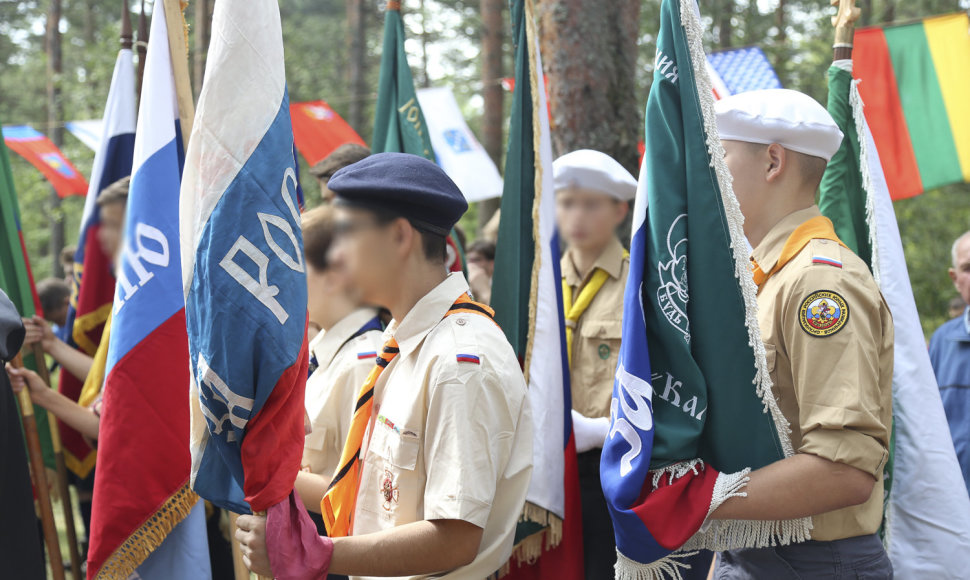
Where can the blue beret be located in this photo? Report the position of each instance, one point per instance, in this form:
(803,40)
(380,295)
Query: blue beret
(405,185)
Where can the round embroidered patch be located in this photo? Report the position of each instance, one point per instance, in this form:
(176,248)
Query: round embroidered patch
(823,313)
(604,351)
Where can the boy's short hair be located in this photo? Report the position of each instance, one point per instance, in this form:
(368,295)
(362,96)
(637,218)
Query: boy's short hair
(484,247)
(52,292)
(67,255)
(318,226)
(117,192)
(346,154)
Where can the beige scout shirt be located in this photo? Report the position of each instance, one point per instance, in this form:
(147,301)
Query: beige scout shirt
(596,338)
(449,439)
(833,386)
(331,392)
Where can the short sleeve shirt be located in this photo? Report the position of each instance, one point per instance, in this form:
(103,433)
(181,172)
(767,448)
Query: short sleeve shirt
(344,357)
(829,337)
(451,435)
(596,338)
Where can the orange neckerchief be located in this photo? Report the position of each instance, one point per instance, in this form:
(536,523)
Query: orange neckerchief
(817,228)
(340,501)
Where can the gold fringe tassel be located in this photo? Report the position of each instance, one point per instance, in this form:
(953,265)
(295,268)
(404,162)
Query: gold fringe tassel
(149,536)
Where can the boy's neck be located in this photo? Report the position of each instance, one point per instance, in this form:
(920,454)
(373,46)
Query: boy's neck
(338,308)
(415,284)
(584,258)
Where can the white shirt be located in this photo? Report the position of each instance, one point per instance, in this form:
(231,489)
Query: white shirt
(344,361)
(450,438)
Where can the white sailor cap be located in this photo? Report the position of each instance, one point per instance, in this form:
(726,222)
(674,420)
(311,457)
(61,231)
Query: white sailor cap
(789,118)
(588,169)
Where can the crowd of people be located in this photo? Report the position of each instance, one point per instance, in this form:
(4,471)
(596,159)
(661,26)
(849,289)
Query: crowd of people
(418,451)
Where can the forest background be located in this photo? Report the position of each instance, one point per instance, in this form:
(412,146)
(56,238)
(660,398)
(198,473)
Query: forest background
(598,56)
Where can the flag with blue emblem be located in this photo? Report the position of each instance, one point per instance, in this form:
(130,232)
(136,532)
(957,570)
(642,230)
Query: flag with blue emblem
(692,409)
(740,69)
(244,274)
(145,516)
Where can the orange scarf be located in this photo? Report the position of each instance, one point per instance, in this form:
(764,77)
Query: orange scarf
(340,501)
(817,228)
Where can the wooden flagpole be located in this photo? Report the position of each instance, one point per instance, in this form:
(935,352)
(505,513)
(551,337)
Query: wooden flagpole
(141,47)
(178,50)
(63,490)
(40,477)
(844,23)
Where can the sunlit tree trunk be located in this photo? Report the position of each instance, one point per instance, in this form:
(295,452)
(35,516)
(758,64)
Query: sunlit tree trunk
(493,28)
(589,52)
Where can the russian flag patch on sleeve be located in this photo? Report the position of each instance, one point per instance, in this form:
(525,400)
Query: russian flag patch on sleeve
(469,358)
(826,261)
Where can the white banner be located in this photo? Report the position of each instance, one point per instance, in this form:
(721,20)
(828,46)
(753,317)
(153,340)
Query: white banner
(457,150)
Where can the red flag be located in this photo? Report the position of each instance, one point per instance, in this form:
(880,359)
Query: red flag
(47,158)
(318,130)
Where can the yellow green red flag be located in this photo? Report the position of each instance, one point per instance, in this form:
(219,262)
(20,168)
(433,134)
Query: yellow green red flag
(915,85)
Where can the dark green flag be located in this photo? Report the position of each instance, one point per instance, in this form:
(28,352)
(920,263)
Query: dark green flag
(398,123)
(17,281)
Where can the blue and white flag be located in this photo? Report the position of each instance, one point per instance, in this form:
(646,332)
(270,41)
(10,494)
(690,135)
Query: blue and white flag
(145,515)
(243,268)
(739,70)
(456,149)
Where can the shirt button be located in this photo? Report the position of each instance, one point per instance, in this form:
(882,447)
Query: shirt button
(461,322)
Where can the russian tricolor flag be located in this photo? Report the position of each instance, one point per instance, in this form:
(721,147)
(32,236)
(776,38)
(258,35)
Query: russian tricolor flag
(244,275)
(141,494)
(93,280)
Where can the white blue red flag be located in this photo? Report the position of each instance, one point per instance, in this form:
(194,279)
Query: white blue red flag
(145,516)
(244,274)
(740,69)
(93,280)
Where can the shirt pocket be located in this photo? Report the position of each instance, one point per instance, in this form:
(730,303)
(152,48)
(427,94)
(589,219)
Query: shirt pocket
(596,362)
(770,357)
(316,440)
(394,488)
(394,447)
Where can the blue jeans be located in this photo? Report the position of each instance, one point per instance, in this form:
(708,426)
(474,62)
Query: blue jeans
(858,558)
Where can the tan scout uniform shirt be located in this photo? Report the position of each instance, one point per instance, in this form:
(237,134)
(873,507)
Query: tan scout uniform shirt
(331,391)
(596,338)
(834,387)
(449,439)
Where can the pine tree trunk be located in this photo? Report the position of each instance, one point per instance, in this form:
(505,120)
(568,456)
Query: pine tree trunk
(725,28)
(55,130)
(589,52)
(356,62)
(493,32)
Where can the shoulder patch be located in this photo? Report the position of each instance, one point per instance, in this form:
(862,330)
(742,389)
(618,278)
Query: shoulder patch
(823,313)
(366,355)
(826,261)
(469,358)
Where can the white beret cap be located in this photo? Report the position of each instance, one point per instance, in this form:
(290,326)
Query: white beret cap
(588,169)
(789,118)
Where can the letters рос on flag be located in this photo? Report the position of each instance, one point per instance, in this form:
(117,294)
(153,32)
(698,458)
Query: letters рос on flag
(243,268)
(145,516)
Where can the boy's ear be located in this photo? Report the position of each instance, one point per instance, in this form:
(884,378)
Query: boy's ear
(622,209)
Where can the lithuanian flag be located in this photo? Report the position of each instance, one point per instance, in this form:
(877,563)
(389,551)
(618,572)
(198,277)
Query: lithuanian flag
(916,89)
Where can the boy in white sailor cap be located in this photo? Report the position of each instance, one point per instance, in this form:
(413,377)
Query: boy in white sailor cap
(829,338)
(592,198)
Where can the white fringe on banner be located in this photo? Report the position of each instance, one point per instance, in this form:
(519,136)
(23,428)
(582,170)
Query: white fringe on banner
(690,20)
(855,100)
(721,535)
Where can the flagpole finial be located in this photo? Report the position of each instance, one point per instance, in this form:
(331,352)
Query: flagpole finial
(844,23)
(126,35)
